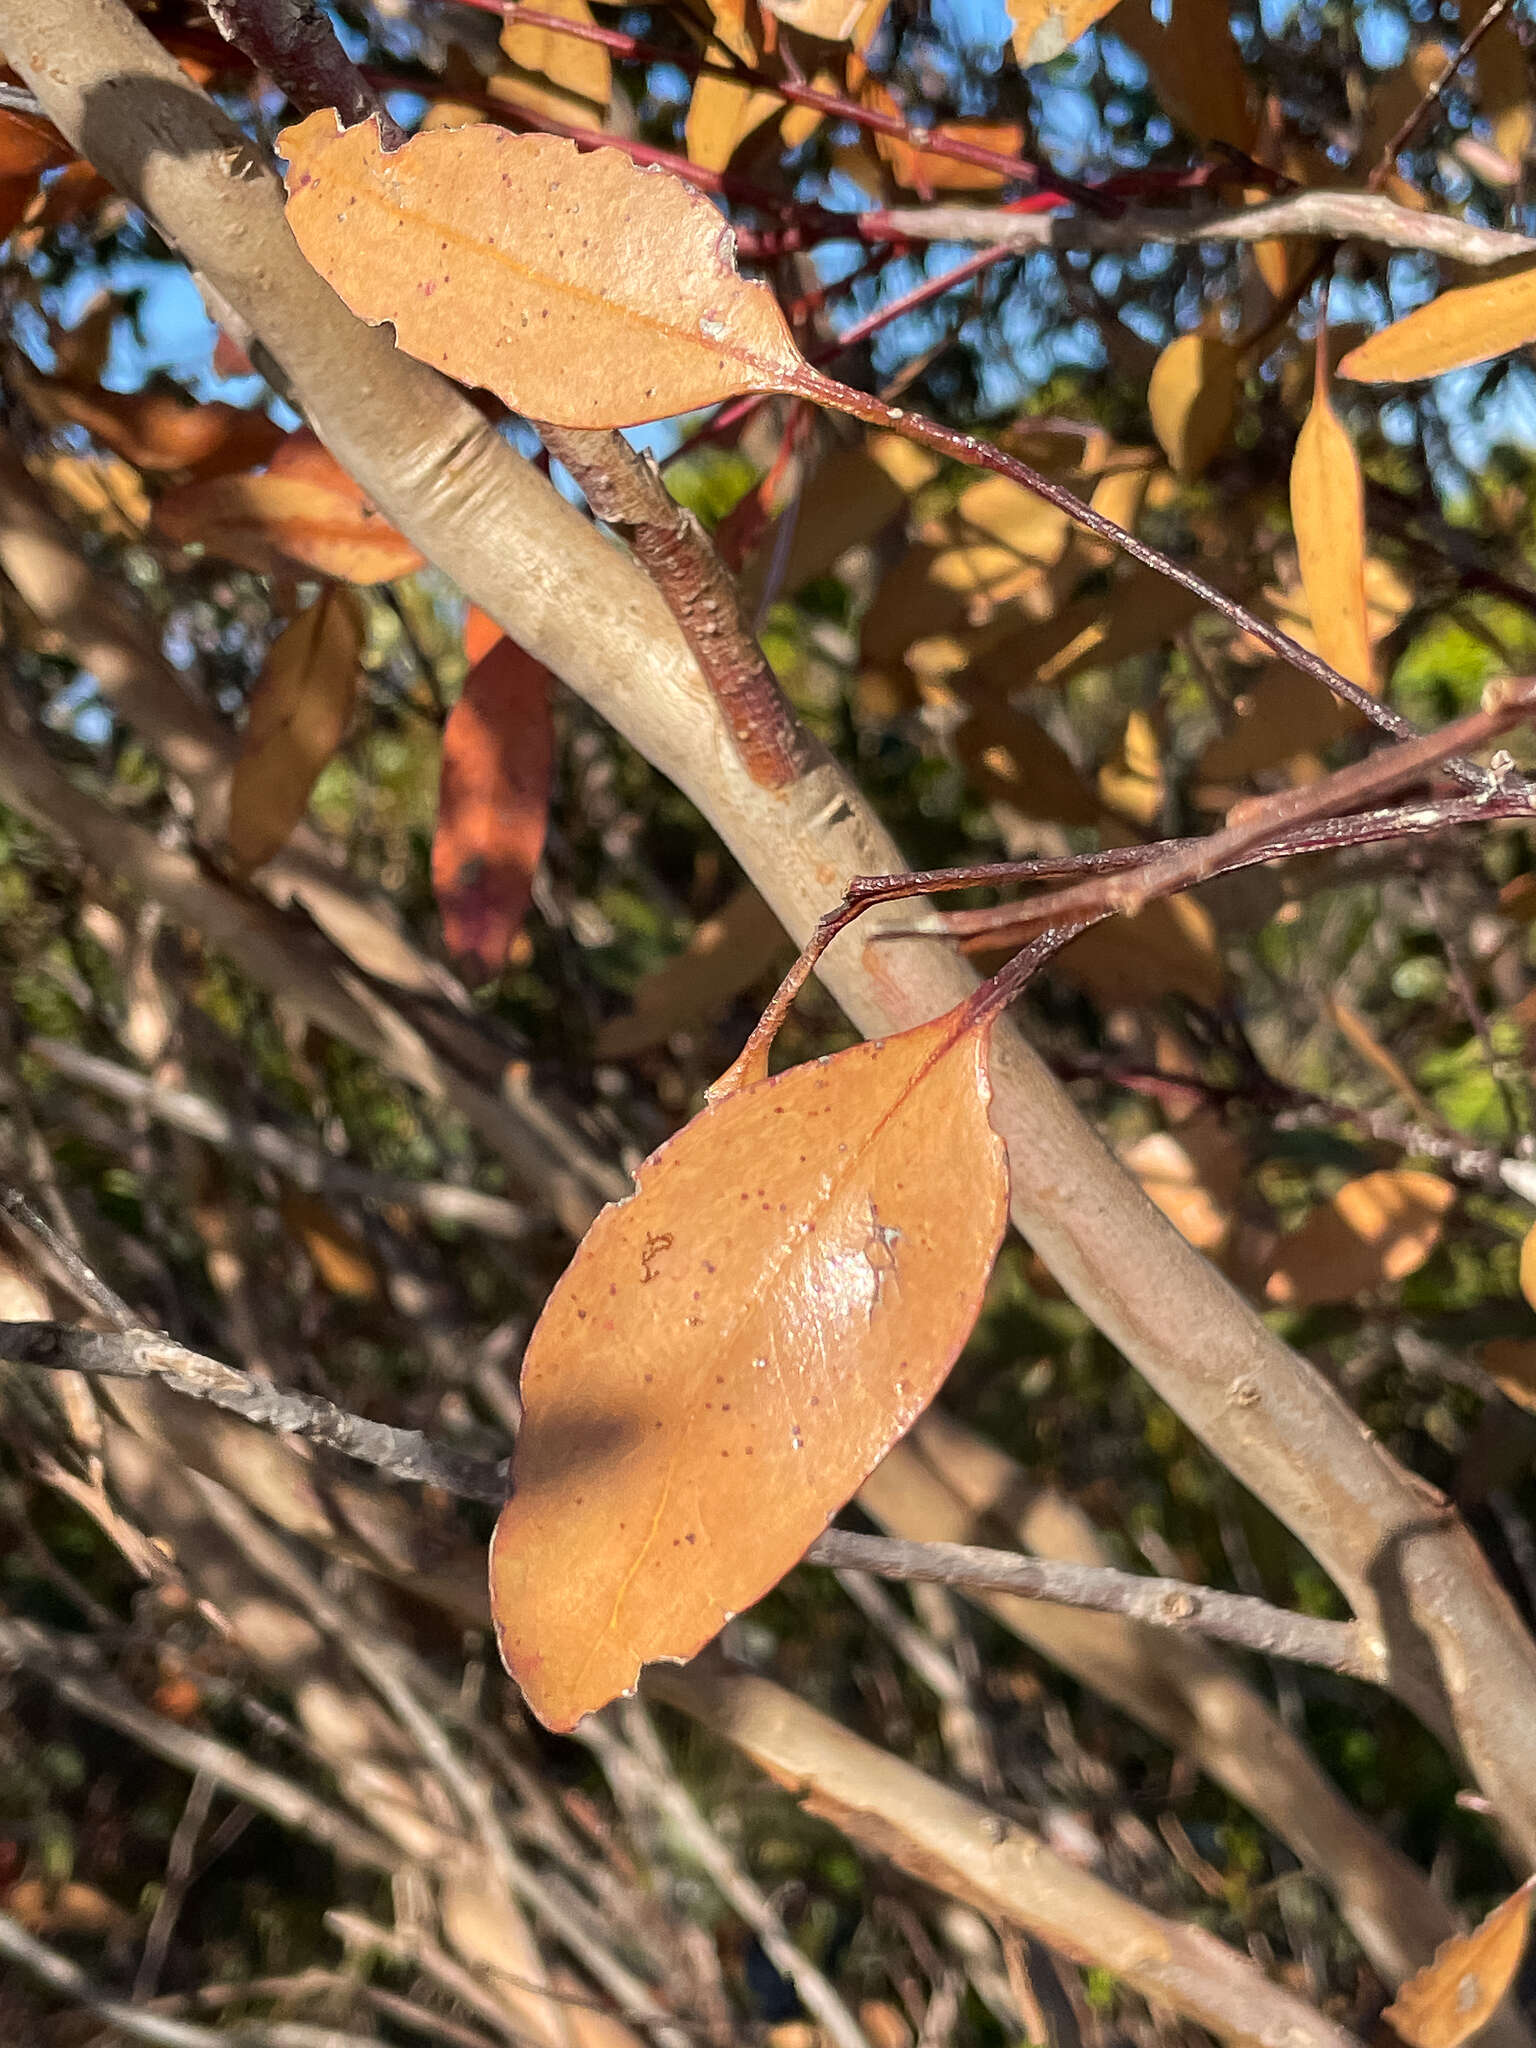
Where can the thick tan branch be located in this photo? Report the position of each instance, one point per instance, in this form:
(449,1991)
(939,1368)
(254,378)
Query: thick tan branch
(996,1865)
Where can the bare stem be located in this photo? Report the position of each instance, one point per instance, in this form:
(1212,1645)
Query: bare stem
(144,1355)
(1164,1603)
(863,405)
(294,43)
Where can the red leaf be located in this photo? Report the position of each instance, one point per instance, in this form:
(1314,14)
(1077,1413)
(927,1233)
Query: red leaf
(494,803)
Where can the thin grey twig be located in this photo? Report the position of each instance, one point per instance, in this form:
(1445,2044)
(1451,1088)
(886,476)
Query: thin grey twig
(146,1355)
(407,1454)
(46,1966)
(1356,216)
(1165,1603)
(305,1165)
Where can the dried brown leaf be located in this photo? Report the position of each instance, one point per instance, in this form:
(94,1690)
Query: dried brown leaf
(1193,1174)
(1446,2002)
(493,804)
(300,711)
(779,1300)
(1510,1362)
(1471,325)
(157,431)
(1195,67)
(1277,717)
(1376,1230)
(579,288)
(342,1261)
(1328,511)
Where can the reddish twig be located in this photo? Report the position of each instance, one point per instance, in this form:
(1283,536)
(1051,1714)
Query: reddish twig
(835,105)
(293,42)
(1123,880)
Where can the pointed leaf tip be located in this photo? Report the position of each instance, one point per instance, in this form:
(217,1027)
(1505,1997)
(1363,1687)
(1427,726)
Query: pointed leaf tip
(734,1349)
(582,290)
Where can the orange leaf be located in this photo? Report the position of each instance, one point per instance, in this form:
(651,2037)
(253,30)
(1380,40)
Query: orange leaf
(156,431)
(1510,1362)
(778,1301)
(302,509)
(493,804)
(1457,1992)
(569,62)
(924,171)
(580,289)
(1471,325)
(1328,510)
(300,710)
(29,145)
(1192,397)
(1377,1229)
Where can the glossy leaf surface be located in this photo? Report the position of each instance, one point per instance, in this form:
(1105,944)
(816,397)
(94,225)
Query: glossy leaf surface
(735,1348)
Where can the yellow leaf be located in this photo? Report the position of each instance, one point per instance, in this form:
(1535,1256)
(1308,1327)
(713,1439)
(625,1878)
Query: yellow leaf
(1376,1230)
(1133,782)
(1042,29)
(300,710)
(1328,511)
(569,62)
(1447,2001)
(1019,519)
(1196,70)
(1472,325)
(834,21)
(1192,397)
(721,115)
